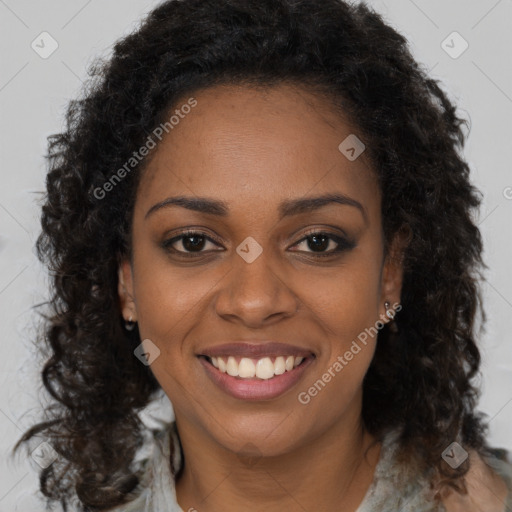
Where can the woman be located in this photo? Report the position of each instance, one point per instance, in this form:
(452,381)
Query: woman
(259,209)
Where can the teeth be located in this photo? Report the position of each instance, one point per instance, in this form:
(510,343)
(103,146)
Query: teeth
(246,368)
(279,366)
(222,365)
(263,368)
(232,367)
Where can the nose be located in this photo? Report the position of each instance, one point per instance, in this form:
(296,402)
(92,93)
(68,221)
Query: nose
(256,294)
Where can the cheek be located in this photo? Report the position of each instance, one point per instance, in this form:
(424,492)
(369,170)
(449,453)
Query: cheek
(169,304)
(346,306)
(346,299)
(347,311)
(169,301)
(168,296)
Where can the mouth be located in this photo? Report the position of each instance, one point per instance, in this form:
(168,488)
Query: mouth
(256,378)
(263,368)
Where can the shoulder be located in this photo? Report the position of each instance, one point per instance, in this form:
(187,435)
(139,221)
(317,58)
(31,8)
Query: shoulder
(402,483)
(488,483)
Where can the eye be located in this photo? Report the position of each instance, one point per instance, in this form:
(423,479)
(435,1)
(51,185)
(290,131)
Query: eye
(320,241)
(191,241)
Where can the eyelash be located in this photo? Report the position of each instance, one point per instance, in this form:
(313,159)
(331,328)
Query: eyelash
(343,244)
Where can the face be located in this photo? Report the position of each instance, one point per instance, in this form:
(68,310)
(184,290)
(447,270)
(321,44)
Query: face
(247,257)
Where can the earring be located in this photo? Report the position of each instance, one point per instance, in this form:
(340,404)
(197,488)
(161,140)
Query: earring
(129,325)
(389,313)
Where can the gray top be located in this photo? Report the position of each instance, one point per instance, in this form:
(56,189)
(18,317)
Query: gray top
(395,487)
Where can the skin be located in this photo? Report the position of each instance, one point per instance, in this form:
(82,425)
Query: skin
(253,149)
(486,490)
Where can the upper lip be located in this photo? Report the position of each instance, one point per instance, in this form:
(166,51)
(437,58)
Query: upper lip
(255,350)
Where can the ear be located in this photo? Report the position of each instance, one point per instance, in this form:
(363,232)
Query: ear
(392,272)
(125,291)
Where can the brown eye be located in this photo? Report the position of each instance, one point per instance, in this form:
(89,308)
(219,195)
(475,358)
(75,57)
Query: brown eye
(187,243)
(319,241)
(193,242)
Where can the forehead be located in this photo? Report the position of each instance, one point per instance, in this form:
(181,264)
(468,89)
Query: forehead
(246,145)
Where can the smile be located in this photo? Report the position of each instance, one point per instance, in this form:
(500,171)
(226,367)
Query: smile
(255,379)
(262,368)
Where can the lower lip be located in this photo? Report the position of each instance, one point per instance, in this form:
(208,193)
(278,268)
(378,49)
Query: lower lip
(256,389)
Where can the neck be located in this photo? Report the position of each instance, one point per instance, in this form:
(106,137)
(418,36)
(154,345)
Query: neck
(332,469)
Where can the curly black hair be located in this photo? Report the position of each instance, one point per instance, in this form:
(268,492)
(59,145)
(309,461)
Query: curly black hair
(421,377)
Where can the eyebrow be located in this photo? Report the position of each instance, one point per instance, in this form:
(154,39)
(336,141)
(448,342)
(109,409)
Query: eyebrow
(286,208)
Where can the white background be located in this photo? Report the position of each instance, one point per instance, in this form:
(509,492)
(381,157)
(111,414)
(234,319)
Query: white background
(34,93)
